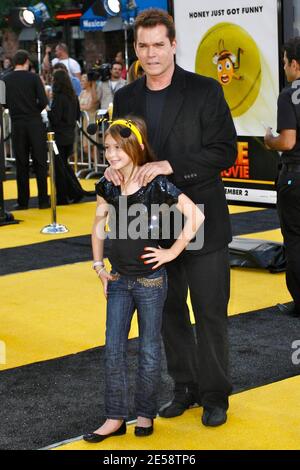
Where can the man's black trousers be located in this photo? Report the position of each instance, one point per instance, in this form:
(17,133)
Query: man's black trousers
(288,205)
(204,360)
(29,136)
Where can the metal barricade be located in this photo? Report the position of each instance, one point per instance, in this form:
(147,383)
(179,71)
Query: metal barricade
(99,156)
(8,150)
(84,160)
(86,165)
(91,164)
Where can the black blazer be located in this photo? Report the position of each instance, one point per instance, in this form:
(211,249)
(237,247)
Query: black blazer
(198,138)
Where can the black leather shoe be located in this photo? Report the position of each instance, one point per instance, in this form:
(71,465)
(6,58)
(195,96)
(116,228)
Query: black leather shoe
(214,416)
(182,401)
(62,203)
(44,205)
(77,198)
(288,309)
(93,437)
(141,431)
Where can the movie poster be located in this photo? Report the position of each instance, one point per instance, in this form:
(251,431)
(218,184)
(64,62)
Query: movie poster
(236,43)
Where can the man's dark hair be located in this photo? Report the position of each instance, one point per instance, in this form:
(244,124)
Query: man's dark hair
(152,17)
(60,66)
(115,62)
(20,57)
(292,49)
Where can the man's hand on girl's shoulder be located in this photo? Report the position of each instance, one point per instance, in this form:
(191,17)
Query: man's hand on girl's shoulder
(149,171)
(114,176)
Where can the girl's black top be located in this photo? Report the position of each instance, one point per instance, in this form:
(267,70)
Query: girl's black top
(137,221)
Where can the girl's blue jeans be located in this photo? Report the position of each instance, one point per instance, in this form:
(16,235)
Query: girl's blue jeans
(147,295)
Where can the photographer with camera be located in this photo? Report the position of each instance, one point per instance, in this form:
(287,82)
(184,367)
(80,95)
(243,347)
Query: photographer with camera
(99,72)
(107,88)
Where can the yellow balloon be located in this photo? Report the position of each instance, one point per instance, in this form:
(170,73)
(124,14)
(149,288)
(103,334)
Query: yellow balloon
(230,55)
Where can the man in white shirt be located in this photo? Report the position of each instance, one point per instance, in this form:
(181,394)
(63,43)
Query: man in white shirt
(107,89)
(62,56)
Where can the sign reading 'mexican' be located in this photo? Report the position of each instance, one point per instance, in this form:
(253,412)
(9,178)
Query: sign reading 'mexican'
(93,24)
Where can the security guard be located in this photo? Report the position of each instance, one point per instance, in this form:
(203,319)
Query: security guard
(25,99)
(288,185)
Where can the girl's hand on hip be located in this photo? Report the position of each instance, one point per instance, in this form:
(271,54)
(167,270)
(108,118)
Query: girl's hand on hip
(104,277)
(159,256)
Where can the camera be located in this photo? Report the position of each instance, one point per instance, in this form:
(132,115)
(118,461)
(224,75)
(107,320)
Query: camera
(101,72)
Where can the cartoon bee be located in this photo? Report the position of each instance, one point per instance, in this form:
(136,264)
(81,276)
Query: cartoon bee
(227,63)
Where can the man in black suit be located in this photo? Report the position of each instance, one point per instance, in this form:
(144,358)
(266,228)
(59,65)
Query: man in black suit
(25,99)
(192,133)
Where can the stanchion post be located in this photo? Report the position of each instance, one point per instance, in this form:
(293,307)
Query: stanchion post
(50,140)
(54,227)
(5,217)
(75,153)
(2,170)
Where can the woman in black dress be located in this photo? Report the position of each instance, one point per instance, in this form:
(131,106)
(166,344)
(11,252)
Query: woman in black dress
(62,116)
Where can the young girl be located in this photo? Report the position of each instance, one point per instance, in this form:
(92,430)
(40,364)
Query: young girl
(138,277)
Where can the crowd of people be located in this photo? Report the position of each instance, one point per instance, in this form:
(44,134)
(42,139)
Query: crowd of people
(59,93)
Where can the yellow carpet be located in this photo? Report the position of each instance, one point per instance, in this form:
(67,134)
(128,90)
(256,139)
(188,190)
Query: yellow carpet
(10,187)
(253,289)
(242,209)
(78,218)
(50,313)
(54,312)
(58,311)
(273,235)
(10,192)
(260,419)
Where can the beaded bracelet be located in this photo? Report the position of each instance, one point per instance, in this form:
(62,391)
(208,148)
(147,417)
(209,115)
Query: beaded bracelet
(97,263)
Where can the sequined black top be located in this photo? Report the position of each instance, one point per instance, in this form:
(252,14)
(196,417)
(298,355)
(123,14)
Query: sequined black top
(137,221)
